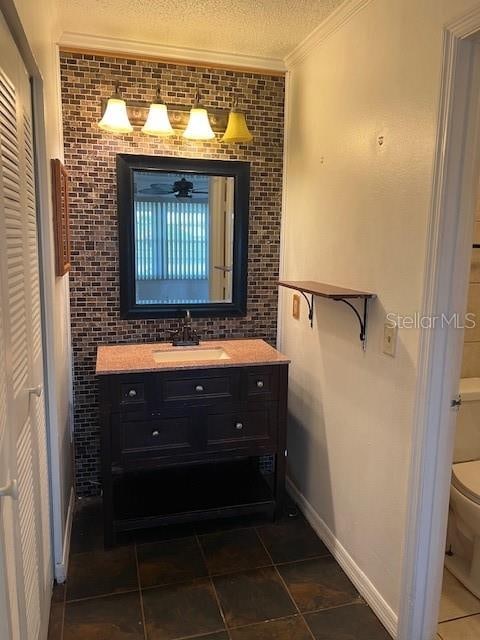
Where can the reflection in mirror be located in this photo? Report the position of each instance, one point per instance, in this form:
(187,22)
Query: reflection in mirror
(183,237)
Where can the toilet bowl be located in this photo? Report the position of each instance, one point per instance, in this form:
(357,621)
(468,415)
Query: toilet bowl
(463,537)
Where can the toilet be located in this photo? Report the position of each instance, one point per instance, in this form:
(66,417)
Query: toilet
(463,537)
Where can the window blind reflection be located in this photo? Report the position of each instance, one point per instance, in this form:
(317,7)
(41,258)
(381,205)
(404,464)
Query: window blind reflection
(171,240)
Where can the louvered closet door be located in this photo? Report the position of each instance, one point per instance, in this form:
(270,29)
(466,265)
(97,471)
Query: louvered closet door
(25,520)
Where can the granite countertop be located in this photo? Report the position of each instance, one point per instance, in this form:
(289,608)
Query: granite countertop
(137,358)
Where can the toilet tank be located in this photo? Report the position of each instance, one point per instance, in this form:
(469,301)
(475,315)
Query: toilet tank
(467,435)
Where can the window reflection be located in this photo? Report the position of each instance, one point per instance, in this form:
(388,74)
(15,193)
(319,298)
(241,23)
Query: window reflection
(183,237)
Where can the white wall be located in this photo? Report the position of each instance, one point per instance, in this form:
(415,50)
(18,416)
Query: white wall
(358,219)
(40,21)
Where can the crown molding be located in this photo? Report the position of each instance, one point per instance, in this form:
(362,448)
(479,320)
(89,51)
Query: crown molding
(465,25)
(345,12)
(71,41)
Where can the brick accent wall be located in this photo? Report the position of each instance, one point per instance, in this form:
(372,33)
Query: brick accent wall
(90,160)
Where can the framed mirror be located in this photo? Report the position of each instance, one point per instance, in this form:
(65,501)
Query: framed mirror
(183,236)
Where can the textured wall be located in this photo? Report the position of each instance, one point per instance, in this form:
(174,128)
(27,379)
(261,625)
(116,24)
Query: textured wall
(90,159)
(356,215)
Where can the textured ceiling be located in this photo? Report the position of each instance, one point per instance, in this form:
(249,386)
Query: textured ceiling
(264,28)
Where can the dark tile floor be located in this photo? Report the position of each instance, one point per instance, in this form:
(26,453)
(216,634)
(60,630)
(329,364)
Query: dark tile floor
(236,580)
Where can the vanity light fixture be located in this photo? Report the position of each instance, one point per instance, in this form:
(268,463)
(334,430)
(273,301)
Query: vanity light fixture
(115,118)
(158,122)
(237,129)
(198,127)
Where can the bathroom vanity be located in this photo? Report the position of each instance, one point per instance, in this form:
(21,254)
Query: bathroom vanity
(183,429)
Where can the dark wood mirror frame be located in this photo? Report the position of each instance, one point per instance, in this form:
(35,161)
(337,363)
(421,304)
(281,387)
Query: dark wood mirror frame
(240,171)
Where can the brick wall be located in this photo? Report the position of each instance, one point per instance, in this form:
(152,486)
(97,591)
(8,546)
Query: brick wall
(90,160)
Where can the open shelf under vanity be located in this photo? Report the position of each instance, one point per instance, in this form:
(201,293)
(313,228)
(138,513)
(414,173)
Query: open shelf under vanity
(191,493)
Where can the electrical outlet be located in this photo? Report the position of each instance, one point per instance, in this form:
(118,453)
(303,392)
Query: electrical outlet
(390,338)
(296,306)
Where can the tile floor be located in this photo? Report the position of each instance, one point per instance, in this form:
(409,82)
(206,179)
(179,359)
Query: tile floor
(233,581)
(459,611)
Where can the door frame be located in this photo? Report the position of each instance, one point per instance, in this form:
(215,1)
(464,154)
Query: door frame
(448,256)
(60,535)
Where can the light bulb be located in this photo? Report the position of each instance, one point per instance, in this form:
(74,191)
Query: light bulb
(237,129)
(198,127)
(158,122)
(115,119)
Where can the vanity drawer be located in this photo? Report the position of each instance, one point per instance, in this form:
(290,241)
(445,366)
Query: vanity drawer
(262,383)
(161,437)
(131,393)
(222,385)
(243,428)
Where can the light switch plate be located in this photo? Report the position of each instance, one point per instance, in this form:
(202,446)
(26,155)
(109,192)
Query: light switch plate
(296,306)
(390,339)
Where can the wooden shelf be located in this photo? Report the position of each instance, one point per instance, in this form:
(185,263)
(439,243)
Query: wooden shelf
(325,290)
(338,294)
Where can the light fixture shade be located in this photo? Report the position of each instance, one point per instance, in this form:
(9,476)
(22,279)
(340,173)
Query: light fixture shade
(237,130)
(158,122)
(198,127)
(115,118)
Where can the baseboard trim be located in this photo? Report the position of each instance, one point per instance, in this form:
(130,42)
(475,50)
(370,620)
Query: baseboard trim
(61,568)
(381,608)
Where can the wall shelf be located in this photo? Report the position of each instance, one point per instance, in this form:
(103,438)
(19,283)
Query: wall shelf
(332,292)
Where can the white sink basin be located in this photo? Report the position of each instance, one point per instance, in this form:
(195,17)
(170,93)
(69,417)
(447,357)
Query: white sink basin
(180,354)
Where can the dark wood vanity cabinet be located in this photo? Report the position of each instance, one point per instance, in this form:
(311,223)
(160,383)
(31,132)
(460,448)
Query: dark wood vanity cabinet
(185,445)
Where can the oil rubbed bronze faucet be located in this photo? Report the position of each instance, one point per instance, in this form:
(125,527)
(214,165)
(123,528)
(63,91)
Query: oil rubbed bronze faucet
(186,336)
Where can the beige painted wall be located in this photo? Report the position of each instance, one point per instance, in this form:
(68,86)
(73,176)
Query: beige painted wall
(471,348)
(41,25)
(356,216)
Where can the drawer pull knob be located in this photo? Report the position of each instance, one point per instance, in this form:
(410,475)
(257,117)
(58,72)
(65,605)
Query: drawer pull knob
(132,393)
(260,384)
(199,388)
(239,426)
(155,433)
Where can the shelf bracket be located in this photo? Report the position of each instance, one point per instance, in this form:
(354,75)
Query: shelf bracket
(362,318)
(310,306)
